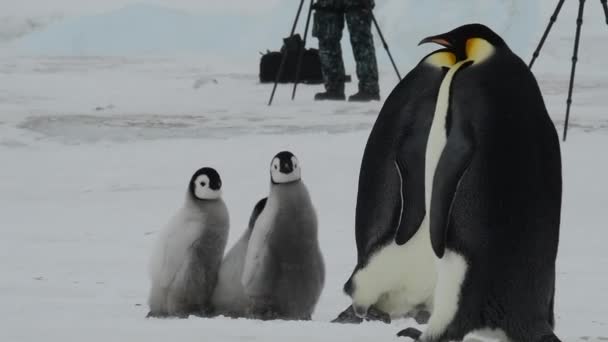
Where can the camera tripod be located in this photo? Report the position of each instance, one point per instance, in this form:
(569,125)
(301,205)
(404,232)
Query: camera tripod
(579,23)
(303,47)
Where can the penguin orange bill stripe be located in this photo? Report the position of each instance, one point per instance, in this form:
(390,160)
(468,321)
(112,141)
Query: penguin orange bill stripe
(436,40)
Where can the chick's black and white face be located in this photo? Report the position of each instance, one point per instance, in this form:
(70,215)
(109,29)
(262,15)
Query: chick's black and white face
(206,184)
(284,168)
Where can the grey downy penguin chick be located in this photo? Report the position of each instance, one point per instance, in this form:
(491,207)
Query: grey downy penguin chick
(189,250)
(284,272)
(229,298)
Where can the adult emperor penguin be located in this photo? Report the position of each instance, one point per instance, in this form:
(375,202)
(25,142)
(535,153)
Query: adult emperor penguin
(393,279)
(284,272)
(494,185)
(229,298)
(188,253)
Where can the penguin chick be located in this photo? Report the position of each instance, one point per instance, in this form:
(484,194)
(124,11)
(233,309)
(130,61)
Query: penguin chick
(186,258)
(284,271)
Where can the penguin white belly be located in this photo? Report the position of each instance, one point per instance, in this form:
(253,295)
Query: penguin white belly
(452,267)
(437,139)
(171,256)
(487,335)
(398,278)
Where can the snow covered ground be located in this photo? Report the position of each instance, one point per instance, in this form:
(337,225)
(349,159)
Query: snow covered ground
(96,153)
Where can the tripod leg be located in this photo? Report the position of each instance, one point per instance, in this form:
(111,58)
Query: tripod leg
(605,5)
(385,44)
(284,57)
(301,52)
(542,40)
(579,24)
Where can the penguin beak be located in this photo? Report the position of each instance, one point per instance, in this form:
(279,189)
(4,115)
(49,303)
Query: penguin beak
(437,40)
(287,168)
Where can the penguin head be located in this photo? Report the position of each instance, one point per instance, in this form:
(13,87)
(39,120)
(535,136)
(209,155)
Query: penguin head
(474,42)
(284,168)
(206,184)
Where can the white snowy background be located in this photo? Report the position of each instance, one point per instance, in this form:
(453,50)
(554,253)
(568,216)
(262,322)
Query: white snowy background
(107,107)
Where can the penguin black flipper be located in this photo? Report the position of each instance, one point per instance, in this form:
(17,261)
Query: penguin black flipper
(257,210)
(410,165)
(453,163)
(394,159)
(378,203)
(259,252)
(410,332)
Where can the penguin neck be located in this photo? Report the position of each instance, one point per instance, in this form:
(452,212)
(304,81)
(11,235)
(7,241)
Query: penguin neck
(437,138)
(194,205)
(287,190)
(286,187)
(294,198)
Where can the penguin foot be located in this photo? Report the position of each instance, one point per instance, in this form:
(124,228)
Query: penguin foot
(410,332)
(375,314)
(269,316)
(348,316)
(181,315)
(422,317)
(203,313)
(152,314)
(549,338)
(266,314)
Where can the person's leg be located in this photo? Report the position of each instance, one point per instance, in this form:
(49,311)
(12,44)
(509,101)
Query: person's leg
(332,66)
(359,21)
(327,27)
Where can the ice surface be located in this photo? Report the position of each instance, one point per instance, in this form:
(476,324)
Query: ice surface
(96,153)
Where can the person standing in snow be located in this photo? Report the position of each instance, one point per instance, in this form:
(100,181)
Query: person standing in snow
(327,28)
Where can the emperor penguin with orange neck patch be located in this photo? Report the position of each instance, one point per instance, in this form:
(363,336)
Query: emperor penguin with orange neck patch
(395,271)
(493,184)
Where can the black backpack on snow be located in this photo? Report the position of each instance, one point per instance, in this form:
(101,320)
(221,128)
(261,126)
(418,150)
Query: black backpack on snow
(310,71)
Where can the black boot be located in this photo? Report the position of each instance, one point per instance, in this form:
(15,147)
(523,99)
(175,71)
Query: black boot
(330,95)
(363,96)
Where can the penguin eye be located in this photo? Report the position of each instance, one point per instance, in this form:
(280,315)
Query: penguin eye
(276,167)
(203,184)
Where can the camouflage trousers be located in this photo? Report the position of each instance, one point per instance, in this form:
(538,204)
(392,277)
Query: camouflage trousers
(327,28)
